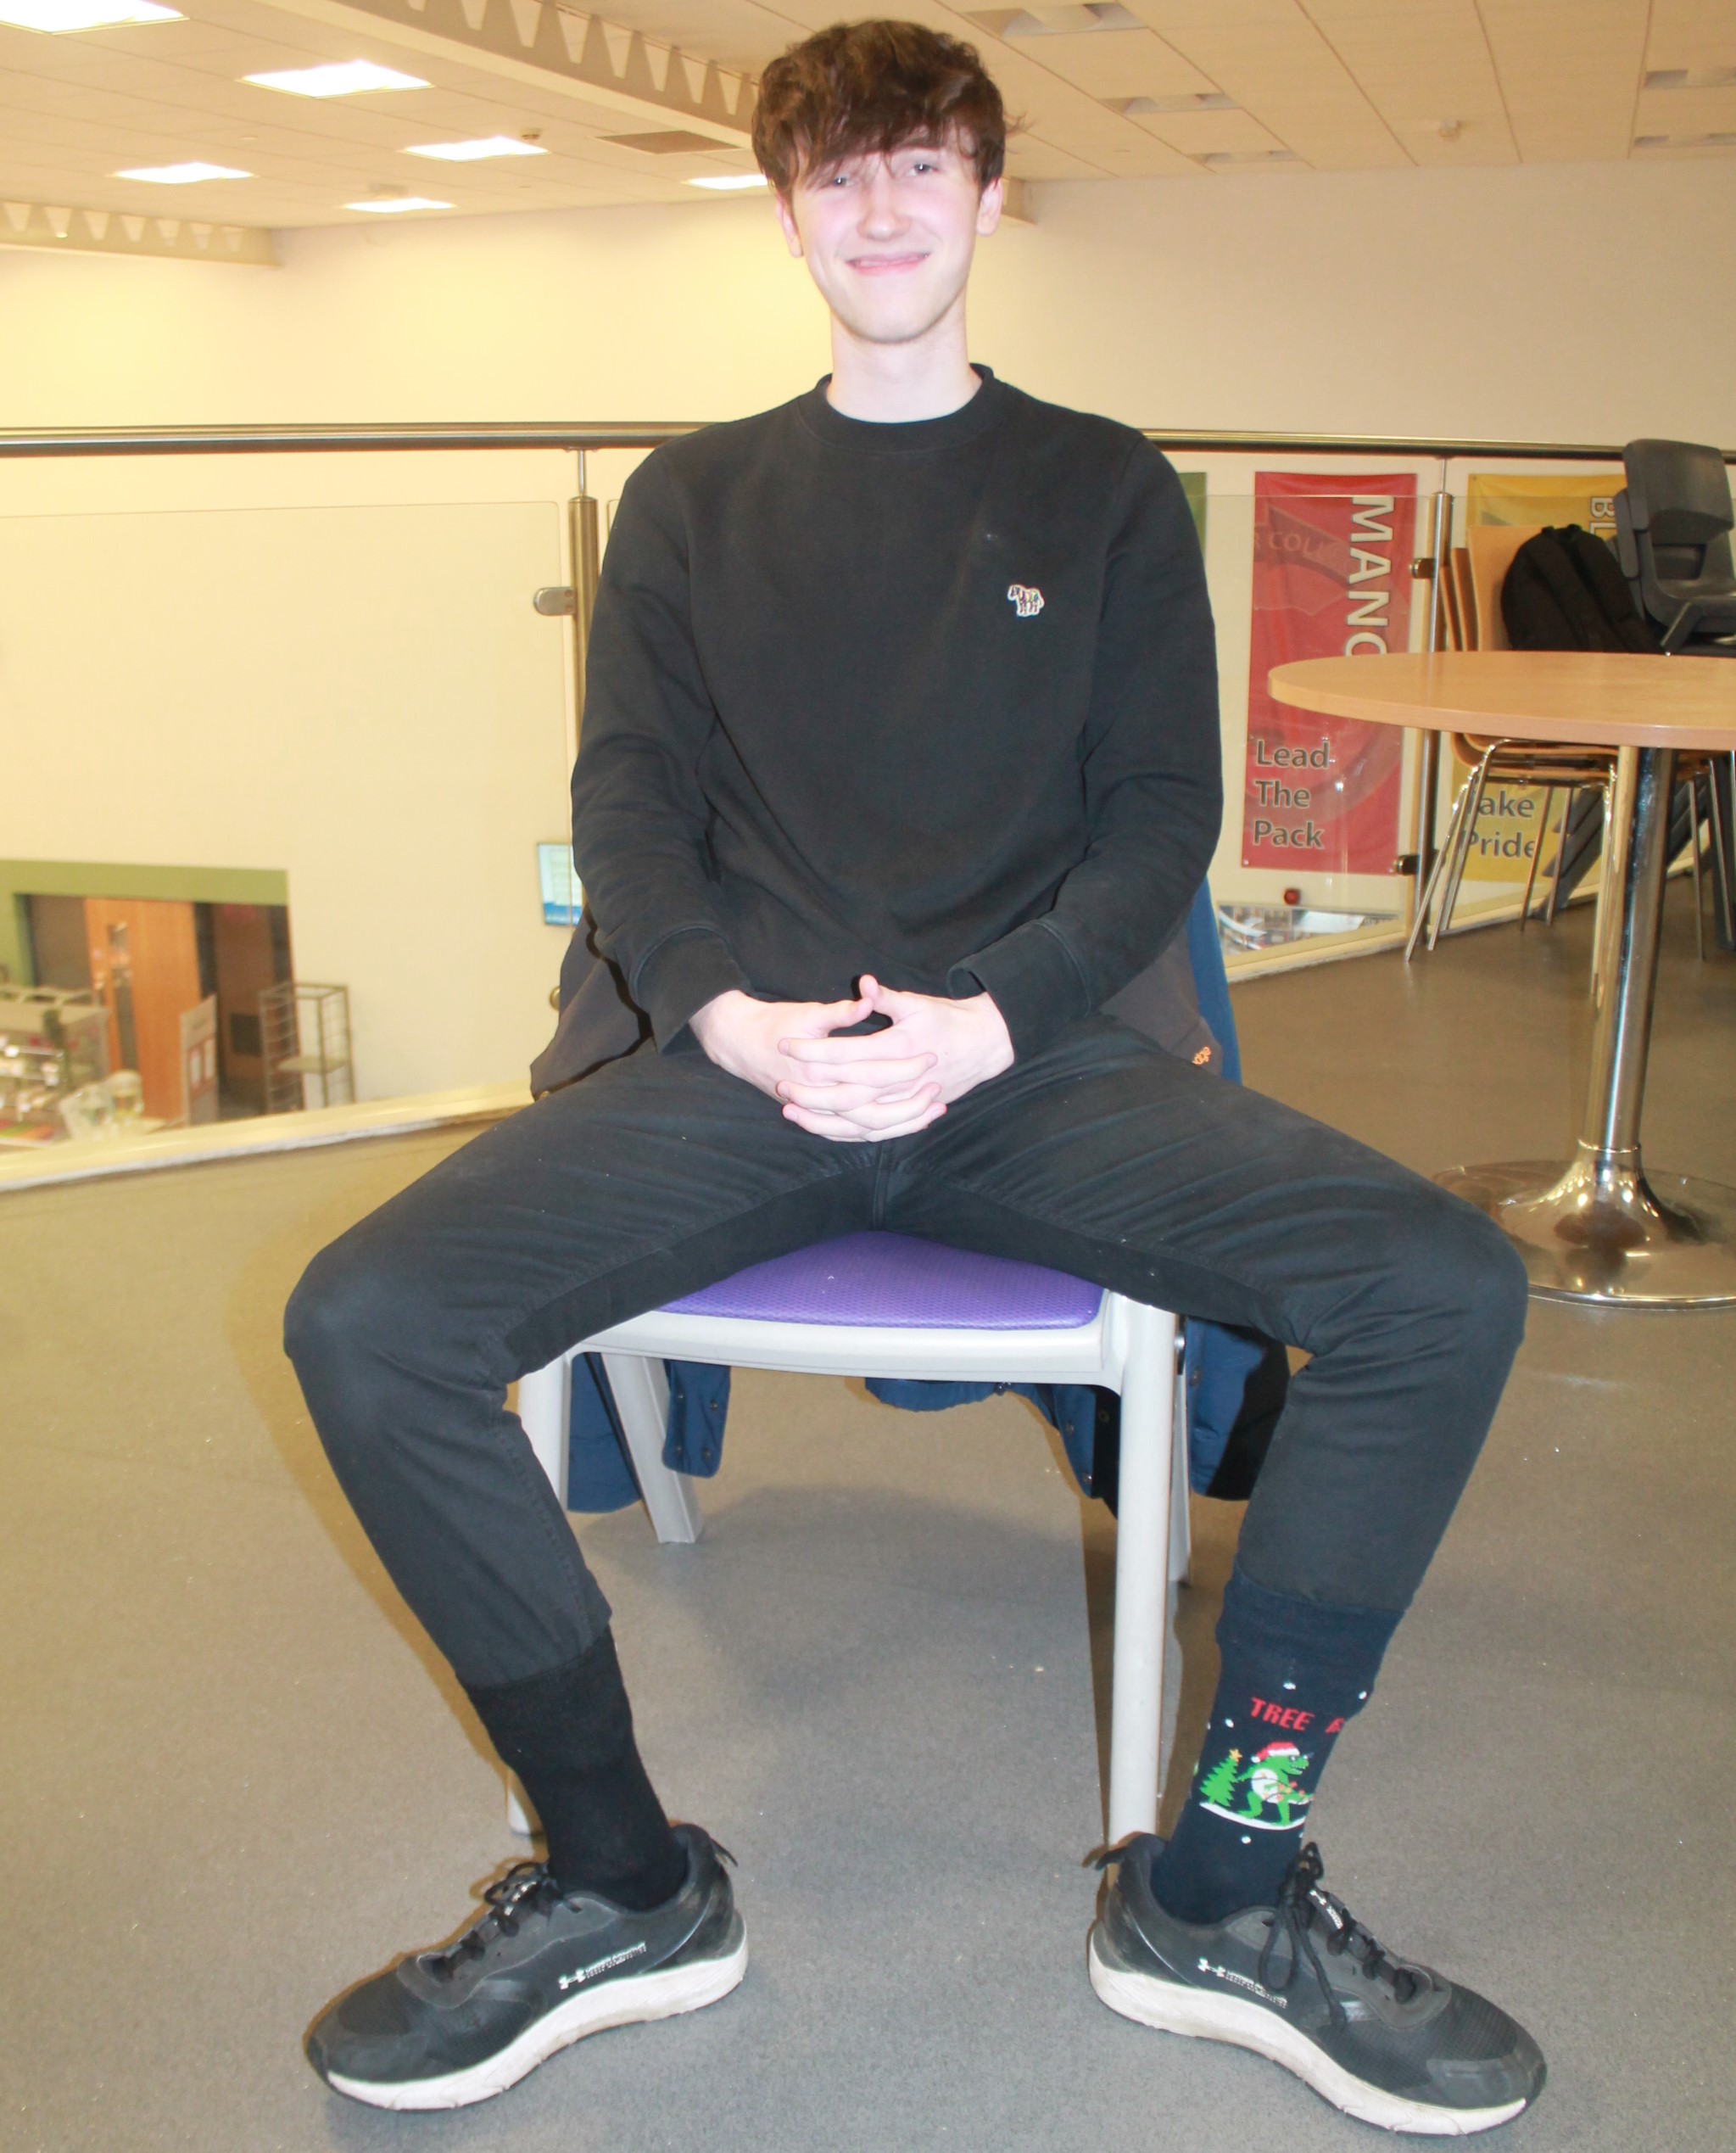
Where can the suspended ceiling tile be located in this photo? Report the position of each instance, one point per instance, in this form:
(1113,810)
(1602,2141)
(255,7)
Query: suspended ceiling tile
(1692,33)
(1205,134)
(1276,65)
(1685,112)
(1116,63)
(1570,72)
(1421,70)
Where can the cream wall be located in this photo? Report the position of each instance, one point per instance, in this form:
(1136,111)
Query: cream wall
(1551,302)
(401,773)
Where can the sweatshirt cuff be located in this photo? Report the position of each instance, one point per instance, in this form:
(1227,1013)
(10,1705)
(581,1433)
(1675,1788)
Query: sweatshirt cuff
(1035,982)
(691,967)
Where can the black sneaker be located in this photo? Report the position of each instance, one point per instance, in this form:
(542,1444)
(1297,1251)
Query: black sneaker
(1302,1983)
(537,1971)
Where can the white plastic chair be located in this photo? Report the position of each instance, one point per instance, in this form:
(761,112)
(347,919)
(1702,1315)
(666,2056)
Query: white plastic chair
(1081,1336)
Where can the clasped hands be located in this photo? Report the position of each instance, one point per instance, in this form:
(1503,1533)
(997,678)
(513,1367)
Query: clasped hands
(887,1084)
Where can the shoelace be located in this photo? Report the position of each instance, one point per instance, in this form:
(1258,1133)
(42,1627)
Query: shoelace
(525,1888)
(1302,1907)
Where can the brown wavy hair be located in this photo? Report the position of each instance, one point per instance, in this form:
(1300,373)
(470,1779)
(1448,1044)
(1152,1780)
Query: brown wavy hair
(865,87)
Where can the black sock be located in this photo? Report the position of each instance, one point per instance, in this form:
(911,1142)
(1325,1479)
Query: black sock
(568,1735)
(1292,1672)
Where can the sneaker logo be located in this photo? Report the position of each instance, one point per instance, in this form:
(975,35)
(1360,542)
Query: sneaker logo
(1026,599)
(1244,1980)
(603,1966)
(1268,1780)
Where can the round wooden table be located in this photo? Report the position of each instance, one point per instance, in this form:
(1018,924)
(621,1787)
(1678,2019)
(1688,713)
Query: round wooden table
(1600,1229)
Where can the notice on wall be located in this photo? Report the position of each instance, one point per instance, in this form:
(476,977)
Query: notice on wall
(198,1062)
(1332,579)
(1511,823)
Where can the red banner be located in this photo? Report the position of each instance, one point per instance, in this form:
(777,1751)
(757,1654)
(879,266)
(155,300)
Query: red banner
(1332,579)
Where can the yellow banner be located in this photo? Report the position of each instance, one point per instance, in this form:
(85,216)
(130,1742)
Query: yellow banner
(1510,821)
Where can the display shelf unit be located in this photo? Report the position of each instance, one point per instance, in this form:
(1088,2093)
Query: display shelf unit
(304,1037)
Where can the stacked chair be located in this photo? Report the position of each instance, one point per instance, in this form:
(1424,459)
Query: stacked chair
(1672,521)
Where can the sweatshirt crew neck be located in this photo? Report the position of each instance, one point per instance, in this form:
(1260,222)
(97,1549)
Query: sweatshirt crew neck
(933,700)
(905,437)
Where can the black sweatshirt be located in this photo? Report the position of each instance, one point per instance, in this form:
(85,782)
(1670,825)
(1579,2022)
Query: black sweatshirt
(934,700)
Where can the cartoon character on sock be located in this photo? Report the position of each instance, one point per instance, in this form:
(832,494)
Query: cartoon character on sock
(1267,1781)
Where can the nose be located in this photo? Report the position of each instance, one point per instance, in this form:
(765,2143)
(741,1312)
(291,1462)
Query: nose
(881,214)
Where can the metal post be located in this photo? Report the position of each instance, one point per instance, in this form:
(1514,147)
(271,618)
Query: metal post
(1428,759)
(1634,861)
(1604,1230)
(586,526)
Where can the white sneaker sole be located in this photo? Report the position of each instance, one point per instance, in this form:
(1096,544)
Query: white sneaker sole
(1173,2008)
(650,1996)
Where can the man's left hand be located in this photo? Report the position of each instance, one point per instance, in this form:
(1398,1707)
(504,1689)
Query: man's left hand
(968,1040)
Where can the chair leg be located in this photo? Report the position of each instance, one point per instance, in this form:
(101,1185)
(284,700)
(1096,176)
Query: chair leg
(545,1405)
(1537,853)
(1180,1518)
(1435,874)
(641,1393)
(1141,1593)
(1554,904)
(1722,893)
(1461,851)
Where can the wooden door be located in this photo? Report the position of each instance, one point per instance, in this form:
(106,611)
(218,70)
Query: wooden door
(145,965)
(247,950)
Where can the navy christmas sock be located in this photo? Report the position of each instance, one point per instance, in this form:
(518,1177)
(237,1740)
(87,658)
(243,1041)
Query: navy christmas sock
(1291,1673)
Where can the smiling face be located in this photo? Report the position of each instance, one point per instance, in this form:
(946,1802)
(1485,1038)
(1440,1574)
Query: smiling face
(888,238)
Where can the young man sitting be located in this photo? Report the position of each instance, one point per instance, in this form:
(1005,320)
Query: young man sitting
(901,760)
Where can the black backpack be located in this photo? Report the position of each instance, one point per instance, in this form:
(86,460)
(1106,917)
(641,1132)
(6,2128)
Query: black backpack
(1566,591)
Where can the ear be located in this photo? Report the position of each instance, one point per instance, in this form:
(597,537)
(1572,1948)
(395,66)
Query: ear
(786,218)
(989,208)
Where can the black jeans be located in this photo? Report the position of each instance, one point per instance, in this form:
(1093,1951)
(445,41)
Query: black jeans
(1102,1156)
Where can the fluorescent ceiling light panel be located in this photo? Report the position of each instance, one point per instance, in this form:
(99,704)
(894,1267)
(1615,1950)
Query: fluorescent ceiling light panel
(57,17)
(341,79)
(472,153)
(389,205)
(182,175)
(728,182)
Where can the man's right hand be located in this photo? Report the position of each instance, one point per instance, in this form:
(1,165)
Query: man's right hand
(887,1099)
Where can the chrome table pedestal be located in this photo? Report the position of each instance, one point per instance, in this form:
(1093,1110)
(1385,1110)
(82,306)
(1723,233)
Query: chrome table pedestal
(1603,1230)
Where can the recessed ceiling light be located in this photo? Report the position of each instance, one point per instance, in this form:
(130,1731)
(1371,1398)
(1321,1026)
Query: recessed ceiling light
(470,153)
(182,175)
(342,79)
(667,141)
(389,205)
(1055,22)
(1194,101)
(1691,78)
(728,182)
(57,16)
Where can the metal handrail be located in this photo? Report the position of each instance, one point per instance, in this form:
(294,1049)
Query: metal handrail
(270,440)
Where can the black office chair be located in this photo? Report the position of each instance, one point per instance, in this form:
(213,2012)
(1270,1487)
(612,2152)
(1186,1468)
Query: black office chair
(1672,536)
(1672,526)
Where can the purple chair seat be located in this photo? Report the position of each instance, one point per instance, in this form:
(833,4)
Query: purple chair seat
(892,1281)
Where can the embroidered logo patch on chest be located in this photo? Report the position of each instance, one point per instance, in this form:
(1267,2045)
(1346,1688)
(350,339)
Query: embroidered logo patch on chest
(1027,600)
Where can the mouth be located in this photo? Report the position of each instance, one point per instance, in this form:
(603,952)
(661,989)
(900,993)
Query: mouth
(886,265)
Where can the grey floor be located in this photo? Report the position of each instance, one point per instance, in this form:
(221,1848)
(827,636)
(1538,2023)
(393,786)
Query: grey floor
(234,1779)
